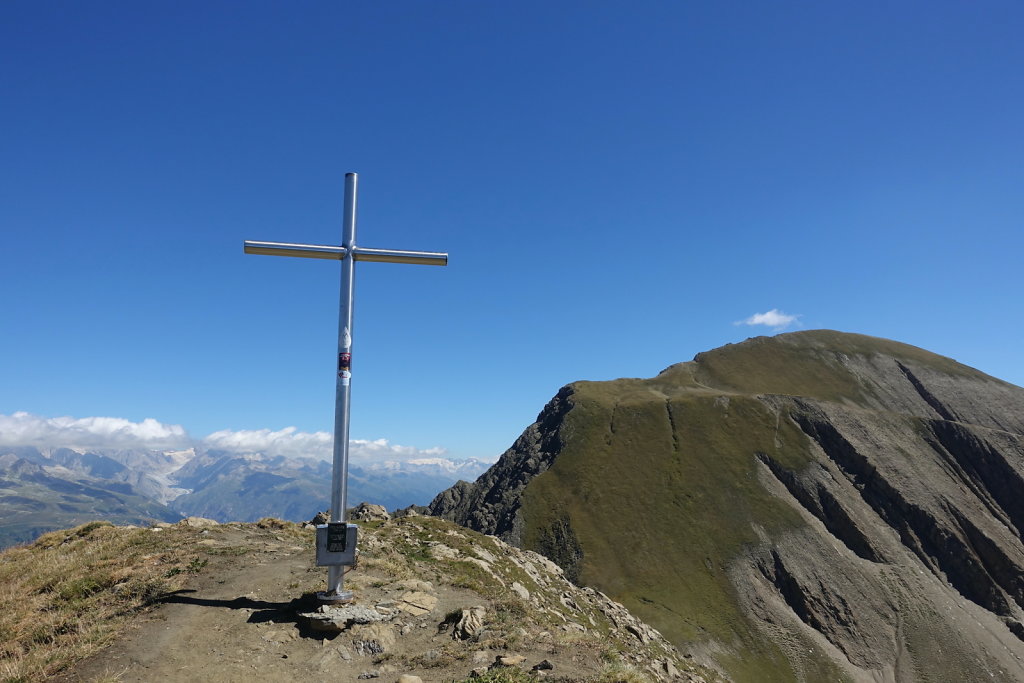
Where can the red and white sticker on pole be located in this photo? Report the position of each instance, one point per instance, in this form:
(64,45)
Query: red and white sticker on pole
(345,367)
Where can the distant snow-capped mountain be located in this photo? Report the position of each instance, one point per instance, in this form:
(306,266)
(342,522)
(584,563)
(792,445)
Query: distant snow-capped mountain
(223,485)
(470,467)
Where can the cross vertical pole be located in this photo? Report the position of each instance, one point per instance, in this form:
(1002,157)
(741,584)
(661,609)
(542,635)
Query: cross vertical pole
(343,386)
(336,541)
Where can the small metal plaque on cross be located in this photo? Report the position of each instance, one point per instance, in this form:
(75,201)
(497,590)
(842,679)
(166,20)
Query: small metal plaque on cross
(348,253)
(337,537)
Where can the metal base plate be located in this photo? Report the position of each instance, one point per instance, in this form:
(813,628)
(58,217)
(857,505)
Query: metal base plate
(339,598)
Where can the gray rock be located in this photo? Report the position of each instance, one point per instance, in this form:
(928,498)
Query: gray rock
(440,551)
(373,639)
(368,512)
(198,522)
(417,603)
(467,623)
(509,660)
(520,590)
(280,636)
(321,518)
(332,619)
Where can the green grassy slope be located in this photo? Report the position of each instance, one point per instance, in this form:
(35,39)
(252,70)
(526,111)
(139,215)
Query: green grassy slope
(656,491)
(659,507)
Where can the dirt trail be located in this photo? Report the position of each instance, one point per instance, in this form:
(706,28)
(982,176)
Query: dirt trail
(236,620)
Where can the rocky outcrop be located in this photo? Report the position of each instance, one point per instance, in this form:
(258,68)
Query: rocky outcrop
(823,504)
(531,602)
(369,512)
(491,504)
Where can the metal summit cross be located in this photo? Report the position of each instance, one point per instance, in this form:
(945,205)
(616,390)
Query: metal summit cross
(336,540)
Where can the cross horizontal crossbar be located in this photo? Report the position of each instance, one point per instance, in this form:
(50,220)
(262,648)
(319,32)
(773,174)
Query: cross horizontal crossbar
(303,250)
(424,258)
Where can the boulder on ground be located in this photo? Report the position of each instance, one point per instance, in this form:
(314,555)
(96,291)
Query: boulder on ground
(321,518)
(466,623)
(411,511)
(198,522)
(368,512)
(417,603)
(373,639)
(330,619)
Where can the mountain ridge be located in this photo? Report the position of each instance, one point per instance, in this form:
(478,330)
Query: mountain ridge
(779,497)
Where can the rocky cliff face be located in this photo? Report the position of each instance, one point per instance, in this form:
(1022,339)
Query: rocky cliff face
(810,506)
(492,503)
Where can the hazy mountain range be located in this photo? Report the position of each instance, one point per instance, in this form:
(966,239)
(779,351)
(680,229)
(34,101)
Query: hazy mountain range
(42,489)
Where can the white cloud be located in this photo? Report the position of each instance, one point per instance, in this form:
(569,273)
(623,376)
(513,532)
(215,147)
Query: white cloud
(774,318)
(25,429)
(382,449)
(290,442)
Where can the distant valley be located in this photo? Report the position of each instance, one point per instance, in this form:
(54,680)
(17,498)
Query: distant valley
(42,489)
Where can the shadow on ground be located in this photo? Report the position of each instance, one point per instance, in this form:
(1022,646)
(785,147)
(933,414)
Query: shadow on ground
(262,610)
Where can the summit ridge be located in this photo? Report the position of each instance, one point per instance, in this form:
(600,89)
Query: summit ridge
(812,505)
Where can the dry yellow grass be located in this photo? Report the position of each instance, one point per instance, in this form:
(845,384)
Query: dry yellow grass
(71,592)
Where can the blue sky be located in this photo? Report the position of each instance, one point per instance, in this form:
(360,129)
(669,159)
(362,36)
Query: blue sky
(617,185)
